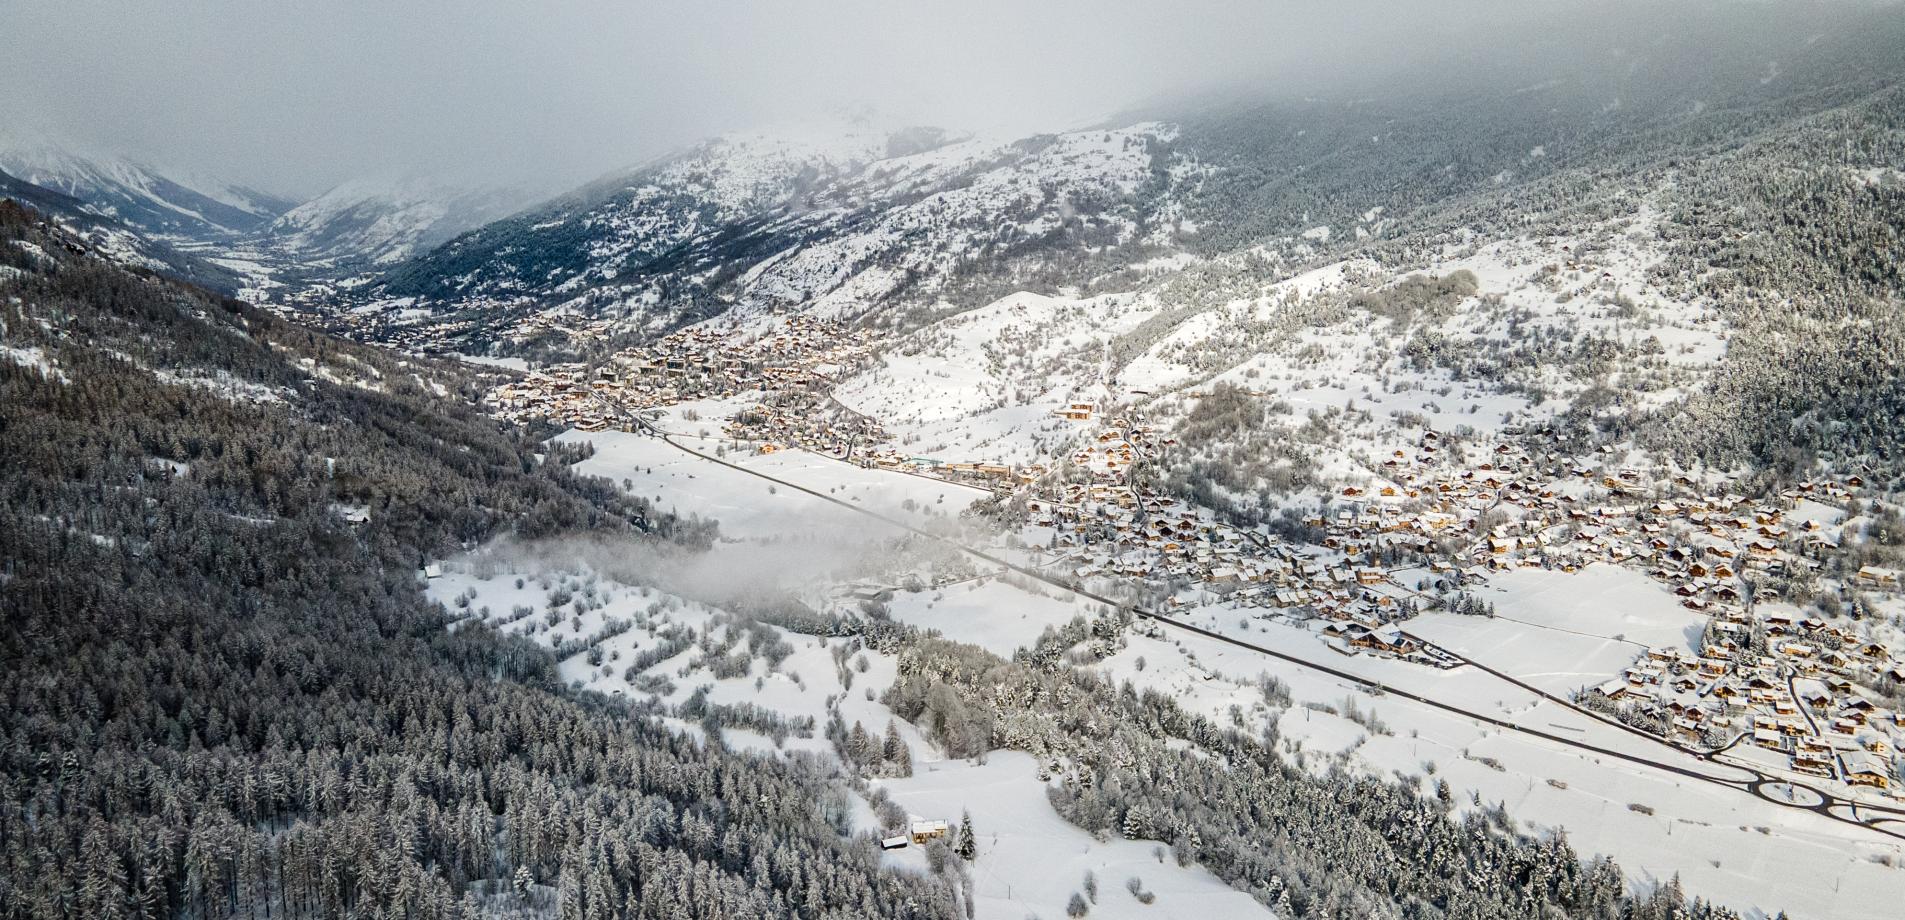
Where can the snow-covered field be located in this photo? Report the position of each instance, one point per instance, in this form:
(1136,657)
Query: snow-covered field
(801,685)
(1031,861)
(1562,631)
(988,612)
(1554,630)
(749,507)
(1723,844)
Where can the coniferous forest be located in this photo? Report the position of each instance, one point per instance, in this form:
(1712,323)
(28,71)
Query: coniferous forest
(229,687)
(223,700)
(226,699)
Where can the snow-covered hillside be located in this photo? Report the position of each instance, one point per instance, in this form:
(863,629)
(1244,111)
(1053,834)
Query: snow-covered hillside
(259,245)
(377,223)
(1479,335)
(139,196)
(117,241)
(864,220)
(986,383)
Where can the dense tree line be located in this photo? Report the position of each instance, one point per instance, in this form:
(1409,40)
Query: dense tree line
(1816,292)
(1345,846)
(222,699)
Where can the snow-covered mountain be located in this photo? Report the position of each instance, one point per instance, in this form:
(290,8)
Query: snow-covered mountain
(374,223)
(843,224)
(115,241)
(262,244)
(909,225)
(140,197)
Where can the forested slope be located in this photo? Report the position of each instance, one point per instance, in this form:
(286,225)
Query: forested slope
(223,698)
(1335,844)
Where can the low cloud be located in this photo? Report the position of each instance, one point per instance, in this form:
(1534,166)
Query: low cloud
(296,97)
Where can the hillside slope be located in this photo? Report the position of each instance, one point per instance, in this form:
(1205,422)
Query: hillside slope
(115,240)
(847,227)
(139,196)
(227,693)
(897,229)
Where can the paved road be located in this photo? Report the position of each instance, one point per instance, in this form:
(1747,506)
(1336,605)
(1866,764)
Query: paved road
(1792,689)
(1758,784)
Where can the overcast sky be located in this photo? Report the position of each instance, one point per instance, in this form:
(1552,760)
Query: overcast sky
(297,96)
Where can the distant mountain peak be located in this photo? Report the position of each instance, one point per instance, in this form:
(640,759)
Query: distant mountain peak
(138,195)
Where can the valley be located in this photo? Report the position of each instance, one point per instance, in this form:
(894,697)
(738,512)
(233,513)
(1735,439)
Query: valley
(1464,479)
(1358,591)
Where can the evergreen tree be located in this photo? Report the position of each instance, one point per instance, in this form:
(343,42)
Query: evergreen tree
(898,757)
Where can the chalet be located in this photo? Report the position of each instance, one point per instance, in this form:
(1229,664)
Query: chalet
(1877,577)
(1795,649)
(869,592)
(1812,763)
(1686,730)
(1076,412)
(1863,768)
(923,831)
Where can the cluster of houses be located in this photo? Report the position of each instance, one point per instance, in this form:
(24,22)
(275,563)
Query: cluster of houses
(1801,704)
(1795,686)
(1788,684)
(565,394)
(1792,687)
(998,477)
(420,331)
(799,355)
(1095,522)
(805,418)
(1483,507)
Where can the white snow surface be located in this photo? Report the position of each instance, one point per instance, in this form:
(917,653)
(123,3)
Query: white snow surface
(1724,845)
(1031,861)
